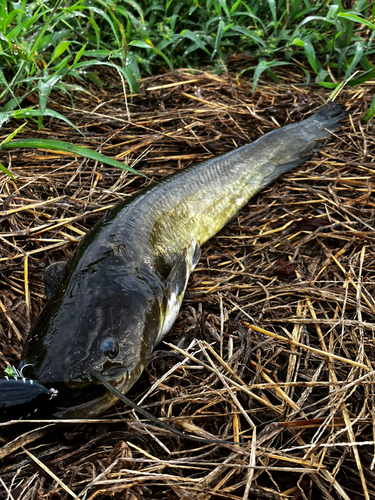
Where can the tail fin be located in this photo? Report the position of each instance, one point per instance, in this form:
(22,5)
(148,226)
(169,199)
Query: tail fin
(298,141)
(329,116)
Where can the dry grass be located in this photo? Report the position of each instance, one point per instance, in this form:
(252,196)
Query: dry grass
(275,340)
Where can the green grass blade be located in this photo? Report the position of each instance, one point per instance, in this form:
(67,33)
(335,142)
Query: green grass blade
(7,87)
(357,57)
(307,75)
(336,90)
(370,113)
(194,38)
(137,7)
(166,59)
(263,66)
(219,35)
(249,34)
(68,148)
(105,16)
(308,19)
(96,29)
(79,54)
(295,9)
(357,19)
(40,36)
(223,5)
(310,54)
(272,75)
(129,77)
(364,77)
(272,7)
(60,49)
(329,85)
(13,134)
(32,113)
(58,116)
(6,171)
(62,65)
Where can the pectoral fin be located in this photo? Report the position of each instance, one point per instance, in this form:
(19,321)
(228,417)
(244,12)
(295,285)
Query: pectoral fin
(52,277)
(176,285)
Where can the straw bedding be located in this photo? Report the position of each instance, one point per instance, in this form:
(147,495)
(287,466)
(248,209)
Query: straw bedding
(275,339)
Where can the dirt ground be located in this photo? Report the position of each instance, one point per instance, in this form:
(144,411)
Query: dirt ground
(276,332)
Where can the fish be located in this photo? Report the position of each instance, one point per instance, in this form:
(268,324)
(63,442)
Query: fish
(120,293)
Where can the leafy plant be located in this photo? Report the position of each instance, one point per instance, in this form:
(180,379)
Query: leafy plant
(10,371)
(3,143)
(43,43)
(67,147)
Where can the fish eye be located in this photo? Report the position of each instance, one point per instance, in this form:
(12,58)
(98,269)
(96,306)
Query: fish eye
(110,348)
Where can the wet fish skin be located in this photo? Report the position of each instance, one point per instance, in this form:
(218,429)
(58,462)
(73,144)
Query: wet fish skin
(121,291)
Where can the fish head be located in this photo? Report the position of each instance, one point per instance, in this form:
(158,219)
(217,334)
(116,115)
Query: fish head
(111,329)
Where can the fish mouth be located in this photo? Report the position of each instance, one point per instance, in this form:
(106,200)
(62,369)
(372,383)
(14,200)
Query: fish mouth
(115,372)
(87,402)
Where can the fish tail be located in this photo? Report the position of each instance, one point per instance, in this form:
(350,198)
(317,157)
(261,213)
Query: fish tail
(330,116)
(301,139)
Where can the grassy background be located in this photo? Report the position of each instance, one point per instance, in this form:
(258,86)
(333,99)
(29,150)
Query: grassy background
(55,44)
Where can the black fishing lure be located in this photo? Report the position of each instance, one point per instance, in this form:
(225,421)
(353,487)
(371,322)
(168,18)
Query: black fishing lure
(22,397)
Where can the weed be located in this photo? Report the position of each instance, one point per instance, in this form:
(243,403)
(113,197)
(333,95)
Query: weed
(42,43)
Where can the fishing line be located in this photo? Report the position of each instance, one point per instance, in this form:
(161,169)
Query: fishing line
(152,417)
